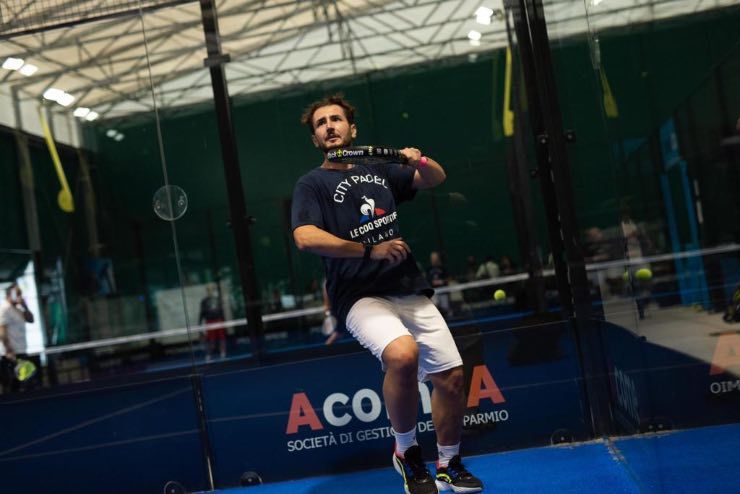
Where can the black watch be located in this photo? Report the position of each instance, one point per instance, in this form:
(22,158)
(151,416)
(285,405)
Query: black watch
(368,250)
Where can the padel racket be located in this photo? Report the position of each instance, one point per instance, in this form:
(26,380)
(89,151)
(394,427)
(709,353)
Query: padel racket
(24,369)
(366,155)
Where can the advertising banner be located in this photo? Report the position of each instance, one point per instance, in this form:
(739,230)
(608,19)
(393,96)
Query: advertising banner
(328,415)
(657,388)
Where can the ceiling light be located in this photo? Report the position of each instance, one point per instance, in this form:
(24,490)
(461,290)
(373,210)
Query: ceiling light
(484,12)
(81,112)
(474,42)
(92,116)
(118,138)
(65,99)
(474,36)
(29,69)
(11,63)
(483,15)
(596,2)
(53,94)
(111,133)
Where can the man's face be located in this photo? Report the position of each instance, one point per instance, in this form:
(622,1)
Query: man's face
(15,294)
(331,129)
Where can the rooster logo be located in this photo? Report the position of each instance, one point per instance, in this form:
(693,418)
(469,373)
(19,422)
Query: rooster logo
(368,210)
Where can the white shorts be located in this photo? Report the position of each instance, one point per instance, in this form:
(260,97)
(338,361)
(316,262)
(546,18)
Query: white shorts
(377,321)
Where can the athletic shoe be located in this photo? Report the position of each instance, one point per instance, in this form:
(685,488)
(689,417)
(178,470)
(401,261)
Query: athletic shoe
(456,478)
(416,476)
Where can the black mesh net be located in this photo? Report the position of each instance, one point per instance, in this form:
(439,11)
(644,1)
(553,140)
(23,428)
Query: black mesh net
(22,16)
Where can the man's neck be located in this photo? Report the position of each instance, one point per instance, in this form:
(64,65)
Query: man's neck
(336,166)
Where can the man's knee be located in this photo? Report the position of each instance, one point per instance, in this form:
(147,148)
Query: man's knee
(402,355)
(450,382)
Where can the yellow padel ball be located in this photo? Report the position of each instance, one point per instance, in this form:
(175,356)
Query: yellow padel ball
(643,274)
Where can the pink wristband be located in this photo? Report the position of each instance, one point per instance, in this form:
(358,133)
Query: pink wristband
(423,161)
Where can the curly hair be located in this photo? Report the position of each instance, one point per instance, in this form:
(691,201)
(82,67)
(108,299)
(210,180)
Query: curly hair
(334,99)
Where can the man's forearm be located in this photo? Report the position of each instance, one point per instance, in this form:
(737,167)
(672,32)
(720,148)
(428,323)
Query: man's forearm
(27,314)
(429,175)
(317,241)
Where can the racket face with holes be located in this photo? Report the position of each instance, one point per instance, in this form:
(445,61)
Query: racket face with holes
(367,155)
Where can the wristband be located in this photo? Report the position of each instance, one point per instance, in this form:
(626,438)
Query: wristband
(368,249)
(423,162)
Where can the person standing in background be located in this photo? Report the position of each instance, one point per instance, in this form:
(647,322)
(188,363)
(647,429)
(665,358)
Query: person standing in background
(14,314)
(211,312)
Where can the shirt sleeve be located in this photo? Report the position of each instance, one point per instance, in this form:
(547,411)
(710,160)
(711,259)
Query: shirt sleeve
(401,181)
(306,207)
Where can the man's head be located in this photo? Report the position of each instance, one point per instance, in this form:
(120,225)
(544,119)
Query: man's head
(435,259)
(13,292)
(331,121)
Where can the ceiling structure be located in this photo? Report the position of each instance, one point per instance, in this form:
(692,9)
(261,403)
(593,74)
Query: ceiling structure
(109,54)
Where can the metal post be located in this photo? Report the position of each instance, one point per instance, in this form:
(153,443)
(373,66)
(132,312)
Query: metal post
(239,220)
(519,190)
(555,181)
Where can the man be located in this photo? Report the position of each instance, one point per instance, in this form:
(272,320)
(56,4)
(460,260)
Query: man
(14,314)
(347,214)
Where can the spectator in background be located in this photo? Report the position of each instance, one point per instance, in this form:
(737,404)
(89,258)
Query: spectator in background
(329,327)
(635,245)
(14,314)
(211,312)
(438,278)
(471,268)
(506,267)
(596,247)
(488,269)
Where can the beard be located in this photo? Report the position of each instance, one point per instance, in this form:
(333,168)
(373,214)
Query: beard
(344,142)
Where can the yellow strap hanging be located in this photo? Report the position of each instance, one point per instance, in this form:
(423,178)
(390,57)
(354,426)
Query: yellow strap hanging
(610,103)
(64,198)
(508,114)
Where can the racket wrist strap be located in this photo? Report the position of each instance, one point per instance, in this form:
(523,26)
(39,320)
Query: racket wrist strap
(423,162)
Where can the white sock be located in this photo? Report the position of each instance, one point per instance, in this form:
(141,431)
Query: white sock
(404,440)
(445,454)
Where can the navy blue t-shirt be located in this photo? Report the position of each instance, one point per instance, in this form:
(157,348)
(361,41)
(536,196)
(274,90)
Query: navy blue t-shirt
(359,205)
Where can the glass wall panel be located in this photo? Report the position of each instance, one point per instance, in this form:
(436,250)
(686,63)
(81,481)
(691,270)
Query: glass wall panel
(452,98)
(102,365)
(655,179)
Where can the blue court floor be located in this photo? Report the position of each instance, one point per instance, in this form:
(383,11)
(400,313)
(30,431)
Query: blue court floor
(696,461)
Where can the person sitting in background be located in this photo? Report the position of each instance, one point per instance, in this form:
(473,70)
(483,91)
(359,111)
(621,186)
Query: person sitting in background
(471,268)
(488,269)
(732,314)
(438,277)
(436,273)
(506,266)
(329,327)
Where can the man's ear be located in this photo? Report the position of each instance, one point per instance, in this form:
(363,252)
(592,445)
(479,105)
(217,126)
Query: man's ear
(353,130)
(314,140)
